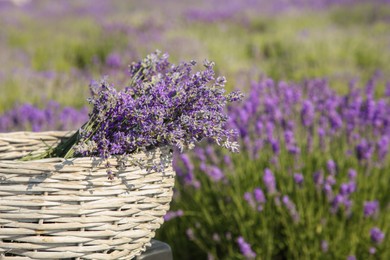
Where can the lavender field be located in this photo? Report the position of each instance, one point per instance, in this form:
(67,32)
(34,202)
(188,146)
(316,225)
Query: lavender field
(312,178)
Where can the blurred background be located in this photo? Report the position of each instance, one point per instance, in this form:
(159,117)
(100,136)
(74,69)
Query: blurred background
(51,49)
(312,179)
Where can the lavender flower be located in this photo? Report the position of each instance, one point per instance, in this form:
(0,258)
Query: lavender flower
(318,178)
(338,201)
(344,189)
(298,178)
(164,104)
(259,195)
(331,166)
(113,60)
(371,208)
(213,172)
(307,113)
(324,246)
(187,162)
(245,248)
(227,161)
(249,199)
(173,214)
(269,181)
(383,147)
(377,235)
(352,174)
(364,150)
(291,208)
(51,117)
(275,146)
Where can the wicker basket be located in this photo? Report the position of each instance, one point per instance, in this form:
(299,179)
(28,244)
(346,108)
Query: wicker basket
(68,209)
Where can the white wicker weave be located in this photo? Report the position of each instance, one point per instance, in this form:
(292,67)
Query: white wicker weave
(68,209)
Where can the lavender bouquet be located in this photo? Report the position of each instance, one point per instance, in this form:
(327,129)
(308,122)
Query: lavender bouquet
(163,105)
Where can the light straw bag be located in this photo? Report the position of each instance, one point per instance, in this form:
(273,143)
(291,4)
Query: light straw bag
(68,209)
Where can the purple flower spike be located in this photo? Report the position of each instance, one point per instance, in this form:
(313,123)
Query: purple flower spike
(331,166)
(351,257)
(383,147)
(259,195)
(173,214)
(377,235)
(245,248)
(249,198)
(387,89)
(344,189)
(307,113)
(298,178)
(187,162)
(330,180)
(324,246)
(291,208)
(318,178)
(114,60)
(275,146)
(336,202)
(371,208)
(352,174)
(227,160)
(269,181)
(215,173)
(364,150)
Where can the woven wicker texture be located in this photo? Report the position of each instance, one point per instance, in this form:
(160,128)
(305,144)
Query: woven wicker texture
(68,209)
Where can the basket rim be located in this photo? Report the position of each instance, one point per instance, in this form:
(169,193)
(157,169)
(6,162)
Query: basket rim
(27,133)
(64,133)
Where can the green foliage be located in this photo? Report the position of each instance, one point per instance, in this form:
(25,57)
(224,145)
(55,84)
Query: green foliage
(76,43)
(361,15)
(218,209)
(341,44)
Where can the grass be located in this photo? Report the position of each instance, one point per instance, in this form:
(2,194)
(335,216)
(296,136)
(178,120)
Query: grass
(341,44)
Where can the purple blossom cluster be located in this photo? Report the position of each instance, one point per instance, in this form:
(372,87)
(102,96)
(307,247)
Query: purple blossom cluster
(245,248)
(173,214)
(256,199)
(163,104)
(268,118)
(217,10)
(371,208)
(269,181)
(291,208)
(377,235)
(283,125)
(52,116)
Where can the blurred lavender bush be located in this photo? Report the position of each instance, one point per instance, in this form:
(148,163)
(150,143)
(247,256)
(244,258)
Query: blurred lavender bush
(52,116)
(311,181)
(292,40)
